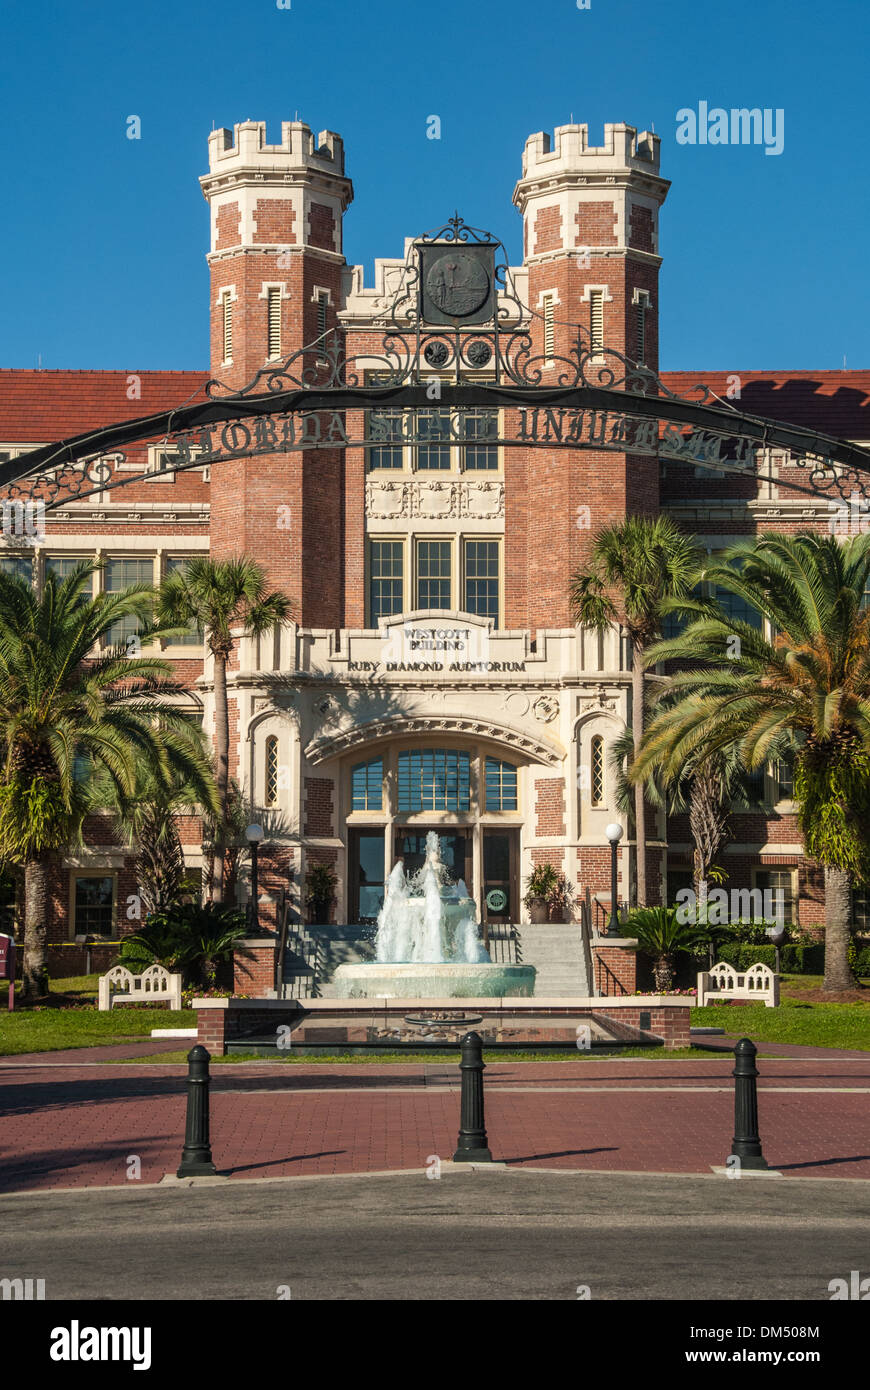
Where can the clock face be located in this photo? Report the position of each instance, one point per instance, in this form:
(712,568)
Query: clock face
(458,285)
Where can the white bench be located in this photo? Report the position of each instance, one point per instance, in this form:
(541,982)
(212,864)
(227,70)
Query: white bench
(120,986)
(758,984)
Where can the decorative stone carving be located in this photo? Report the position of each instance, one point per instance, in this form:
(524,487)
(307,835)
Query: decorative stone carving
(599,699)
(546,708)
(434,497)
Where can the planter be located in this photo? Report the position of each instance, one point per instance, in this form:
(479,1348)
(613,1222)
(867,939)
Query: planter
(539,910)
(556,914)
(320,913)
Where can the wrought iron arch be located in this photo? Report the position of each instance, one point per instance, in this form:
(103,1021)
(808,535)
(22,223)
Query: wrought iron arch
(593,398)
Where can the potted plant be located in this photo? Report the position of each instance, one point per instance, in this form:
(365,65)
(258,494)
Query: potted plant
(559,897)
(539,886)
(320,885)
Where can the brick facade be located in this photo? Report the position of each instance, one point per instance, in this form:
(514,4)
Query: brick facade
(590,227)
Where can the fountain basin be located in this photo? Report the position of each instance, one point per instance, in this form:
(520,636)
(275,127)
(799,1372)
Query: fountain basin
(410,980)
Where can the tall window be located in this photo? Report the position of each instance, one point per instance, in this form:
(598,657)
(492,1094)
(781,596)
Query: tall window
(388,454)
(386,570)
(434,779)
(433,426)
(273,302)
(120,574)
(272,771)
(433,574)
(94,905)
(366,783)
(478,426)
(194,637)
(227,327)
(481,579)
(596,778)
(596,320)
(501,786)
(778,881)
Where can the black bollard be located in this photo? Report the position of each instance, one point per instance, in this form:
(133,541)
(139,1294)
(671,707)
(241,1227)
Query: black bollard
(746,1144)
(472,1145)
(196,1160)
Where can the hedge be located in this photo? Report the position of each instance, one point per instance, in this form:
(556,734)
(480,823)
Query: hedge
(795,960)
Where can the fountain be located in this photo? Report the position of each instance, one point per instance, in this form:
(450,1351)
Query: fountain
(428,945)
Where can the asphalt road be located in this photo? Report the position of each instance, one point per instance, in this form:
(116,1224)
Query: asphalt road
(468,1235)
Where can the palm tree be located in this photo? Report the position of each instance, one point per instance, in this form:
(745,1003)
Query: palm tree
(218,596)
(67,702)
(705,790)
(806,687)
(633,566)
(662,935)
(147,820)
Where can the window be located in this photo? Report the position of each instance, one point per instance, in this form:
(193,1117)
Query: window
(775,881)
(783,779)
(273,314)
(227,325)
(120,574)
(366,785)
(596,775)
(481,579)
(434,779)
(94,903)
(480,426)
(596,320)
(386,579)
(194,637)
(389,425)
(433,574)
(63,565)
(737,608)
(272,771)
(501,786)
(754,788)
(549,327)
(434,426)
(861,907)
(17,567)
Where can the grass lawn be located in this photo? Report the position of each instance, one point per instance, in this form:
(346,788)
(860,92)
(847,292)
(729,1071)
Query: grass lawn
(49,1029)
(490,1058)
(807,1024)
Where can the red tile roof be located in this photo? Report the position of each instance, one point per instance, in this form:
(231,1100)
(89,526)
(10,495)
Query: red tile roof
(41,406)
(836,403)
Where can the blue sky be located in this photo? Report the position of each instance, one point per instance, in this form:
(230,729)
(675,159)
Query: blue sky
(104,238)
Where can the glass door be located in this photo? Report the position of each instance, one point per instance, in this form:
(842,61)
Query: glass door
(500,858)
(366,875)
(455,848)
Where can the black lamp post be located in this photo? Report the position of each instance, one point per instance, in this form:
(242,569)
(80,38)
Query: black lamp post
(614,835)
(777,936)
(254,835)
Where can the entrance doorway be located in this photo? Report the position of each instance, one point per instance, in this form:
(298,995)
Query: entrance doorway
(500,896)
(455,847)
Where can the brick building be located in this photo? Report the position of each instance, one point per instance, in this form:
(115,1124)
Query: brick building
(433,677)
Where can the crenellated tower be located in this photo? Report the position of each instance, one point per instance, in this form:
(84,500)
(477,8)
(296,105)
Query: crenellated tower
(590,220)
(276,261)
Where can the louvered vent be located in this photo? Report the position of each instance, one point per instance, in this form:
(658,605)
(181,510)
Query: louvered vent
(274,308)
(596,319)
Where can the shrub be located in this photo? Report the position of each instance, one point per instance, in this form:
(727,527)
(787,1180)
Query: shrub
(795,960)
(189,938)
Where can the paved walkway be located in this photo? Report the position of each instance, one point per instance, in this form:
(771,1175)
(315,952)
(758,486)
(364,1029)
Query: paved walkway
(74,1120)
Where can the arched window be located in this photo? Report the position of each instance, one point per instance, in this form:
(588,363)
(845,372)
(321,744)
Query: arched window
(434,779)
(596,780)
(366,785)
(272,771)
(501,786)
